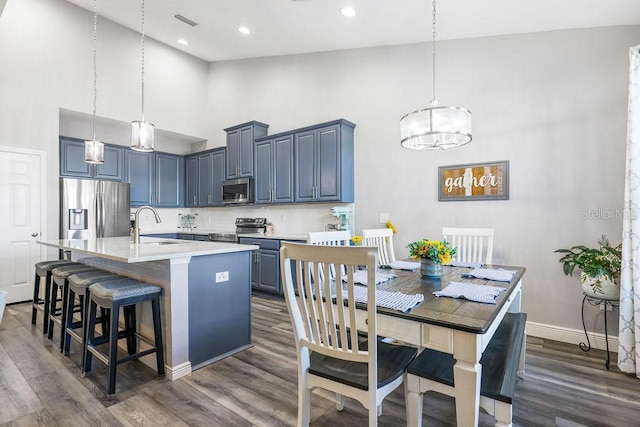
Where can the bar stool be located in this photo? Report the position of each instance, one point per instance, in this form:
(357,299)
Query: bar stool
(43,269)
(113,295)
(58,315)
(79,286)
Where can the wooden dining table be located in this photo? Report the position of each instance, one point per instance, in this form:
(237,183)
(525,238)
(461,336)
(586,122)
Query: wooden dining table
(456,326)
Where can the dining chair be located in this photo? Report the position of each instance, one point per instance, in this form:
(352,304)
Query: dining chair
(472,244)
(329,238)
(330,352)
(382,238)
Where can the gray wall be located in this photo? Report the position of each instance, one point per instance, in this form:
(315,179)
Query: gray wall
(553,104)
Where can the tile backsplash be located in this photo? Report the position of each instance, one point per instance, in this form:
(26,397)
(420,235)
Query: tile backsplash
(296,219)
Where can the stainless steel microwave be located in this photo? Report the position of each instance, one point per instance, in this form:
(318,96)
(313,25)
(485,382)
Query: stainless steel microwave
(237,191)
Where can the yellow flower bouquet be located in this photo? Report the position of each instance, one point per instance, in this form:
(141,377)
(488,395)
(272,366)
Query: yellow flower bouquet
(434,250)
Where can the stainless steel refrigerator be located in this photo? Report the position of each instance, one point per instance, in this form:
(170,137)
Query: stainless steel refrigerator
(91,208)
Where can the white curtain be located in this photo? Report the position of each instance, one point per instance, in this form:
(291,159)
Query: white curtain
(629,333)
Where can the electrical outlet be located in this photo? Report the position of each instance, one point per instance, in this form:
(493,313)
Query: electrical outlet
(384,217)
(222,276)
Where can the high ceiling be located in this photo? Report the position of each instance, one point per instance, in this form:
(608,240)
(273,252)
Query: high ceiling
(283,27)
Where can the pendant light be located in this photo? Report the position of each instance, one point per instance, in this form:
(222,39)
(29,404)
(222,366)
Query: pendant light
(94,149)
(436,127)
(142,132)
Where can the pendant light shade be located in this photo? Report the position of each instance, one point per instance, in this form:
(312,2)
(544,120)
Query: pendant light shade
(94,149)
(94,152)
(437,127)
(142,136)
(142,133)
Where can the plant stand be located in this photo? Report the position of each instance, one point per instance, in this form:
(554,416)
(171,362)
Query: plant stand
(596,302)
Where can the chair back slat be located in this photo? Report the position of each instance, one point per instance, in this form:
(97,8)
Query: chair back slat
(381,238)
(329,238)
(320,324)
(472,244)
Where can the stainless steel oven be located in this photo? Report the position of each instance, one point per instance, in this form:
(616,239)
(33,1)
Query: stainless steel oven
(243,225)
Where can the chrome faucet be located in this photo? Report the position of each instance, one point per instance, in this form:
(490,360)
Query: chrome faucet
(136,229)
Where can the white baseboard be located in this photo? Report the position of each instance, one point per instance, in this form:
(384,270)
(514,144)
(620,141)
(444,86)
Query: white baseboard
(571,336)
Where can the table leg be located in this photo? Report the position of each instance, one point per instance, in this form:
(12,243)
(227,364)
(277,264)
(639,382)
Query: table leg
(467,373)
(583,346)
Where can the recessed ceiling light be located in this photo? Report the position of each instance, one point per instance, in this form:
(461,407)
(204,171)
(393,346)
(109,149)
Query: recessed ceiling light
(244,30)
(183,42)
(348,11)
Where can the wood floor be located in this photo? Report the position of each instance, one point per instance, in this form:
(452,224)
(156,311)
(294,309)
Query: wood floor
(39,386)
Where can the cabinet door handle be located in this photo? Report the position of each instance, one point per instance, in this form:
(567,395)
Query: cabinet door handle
(209,199)
(194,200)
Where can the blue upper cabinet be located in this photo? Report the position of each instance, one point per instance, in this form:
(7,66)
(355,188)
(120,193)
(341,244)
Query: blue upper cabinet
(139,172)
(169,180)
(218,174)
(324,163)
(157,179)
(274,169)
(205,173)
(72,162)
(191,181)
(240,141)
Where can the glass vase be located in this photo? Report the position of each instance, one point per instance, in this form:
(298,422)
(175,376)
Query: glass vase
(430,269)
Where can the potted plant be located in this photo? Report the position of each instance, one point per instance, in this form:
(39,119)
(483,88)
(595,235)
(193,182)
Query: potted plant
(600,267)
(432,255)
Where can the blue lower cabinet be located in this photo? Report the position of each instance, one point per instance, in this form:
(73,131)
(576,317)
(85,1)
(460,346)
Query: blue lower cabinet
(265,264)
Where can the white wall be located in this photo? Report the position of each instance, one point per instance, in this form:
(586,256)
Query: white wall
(553,104)
(46,49)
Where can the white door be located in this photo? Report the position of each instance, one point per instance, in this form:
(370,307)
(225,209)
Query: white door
(21,203)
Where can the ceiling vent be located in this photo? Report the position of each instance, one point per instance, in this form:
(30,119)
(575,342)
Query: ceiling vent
(185,20)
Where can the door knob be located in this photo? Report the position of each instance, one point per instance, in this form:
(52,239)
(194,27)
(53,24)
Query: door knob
(34,234)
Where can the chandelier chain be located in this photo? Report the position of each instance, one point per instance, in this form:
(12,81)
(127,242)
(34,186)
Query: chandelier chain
(434,51)
(95,67)
(142,74)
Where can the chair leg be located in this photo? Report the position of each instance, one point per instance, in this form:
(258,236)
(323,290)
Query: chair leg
(63,314)
(130,326)
(47,303)
(113,350)
(89,336)
(304,404)
(339,402)
(52,308)
(157,330)
(36,298)
(71,296)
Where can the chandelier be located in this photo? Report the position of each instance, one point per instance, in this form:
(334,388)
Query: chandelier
(437,127)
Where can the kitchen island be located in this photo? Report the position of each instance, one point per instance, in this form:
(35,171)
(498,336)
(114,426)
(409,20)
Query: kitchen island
(206,297)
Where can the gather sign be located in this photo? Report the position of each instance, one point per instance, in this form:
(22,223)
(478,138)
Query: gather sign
(476,181)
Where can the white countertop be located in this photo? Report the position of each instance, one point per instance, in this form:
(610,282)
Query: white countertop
(122,248)
(200,231)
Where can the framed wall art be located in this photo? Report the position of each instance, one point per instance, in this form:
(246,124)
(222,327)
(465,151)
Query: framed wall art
(475,181)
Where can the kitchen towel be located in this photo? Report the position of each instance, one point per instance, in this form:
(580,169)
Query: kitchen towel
(360,276)
(498,274)
(393,300)
(404,265)
(456,263)
(471,291)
